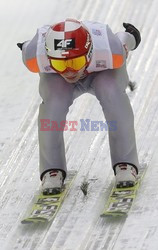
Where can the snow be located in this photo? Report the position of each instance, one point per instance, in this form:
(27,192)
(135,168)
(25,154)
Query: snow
(78,224)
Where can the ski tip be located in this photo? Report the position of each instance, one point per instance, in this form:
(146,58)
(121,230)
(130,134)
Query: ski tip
(25,221)
(113,214)
(29,221)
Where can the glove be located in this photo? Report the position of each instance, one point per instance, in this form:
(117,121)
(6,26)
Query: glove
(20,45)
(132,30)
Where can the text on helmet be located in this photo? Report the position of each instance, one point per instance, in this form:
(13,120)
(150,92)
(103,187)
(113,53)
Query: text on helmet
(61,44)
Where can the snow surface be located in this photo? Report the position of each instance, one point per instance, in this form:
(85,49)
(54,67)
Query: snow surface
(78,225)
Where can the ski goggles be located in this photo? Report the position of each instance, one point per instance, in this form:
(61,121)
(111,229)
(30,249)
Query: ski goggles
(61,65)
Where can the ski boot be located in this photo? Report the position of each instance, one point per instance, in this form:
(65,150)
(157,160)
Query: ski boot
(126,175)
(52,182)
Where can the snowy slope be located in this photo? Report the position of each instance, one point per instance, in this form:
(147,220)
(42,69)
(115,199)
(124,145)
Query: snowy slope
(78,225)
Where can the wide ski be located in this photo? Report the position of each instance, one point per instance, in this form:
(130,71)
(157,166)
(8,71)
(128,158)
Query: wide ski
(46,207)
(121,199)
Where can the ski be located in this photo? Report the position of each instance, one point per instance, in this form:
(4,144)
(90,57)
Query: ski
(121,199)
(45,207)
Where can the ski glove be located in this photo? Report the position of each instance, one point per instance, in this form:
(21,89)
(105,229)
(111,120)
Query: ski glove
(20,45)
(132,30)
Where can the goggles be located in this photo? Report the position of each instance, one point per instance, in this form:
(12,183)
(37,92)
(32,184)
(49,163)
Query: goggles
(61,65)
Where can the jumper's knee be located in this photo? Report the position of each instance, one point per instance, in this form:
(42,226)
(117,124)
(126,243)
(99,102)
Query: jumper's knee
(55,91)
(106,88)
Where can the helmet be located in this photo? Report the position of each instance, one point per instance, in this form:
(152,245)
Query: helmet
(68,39)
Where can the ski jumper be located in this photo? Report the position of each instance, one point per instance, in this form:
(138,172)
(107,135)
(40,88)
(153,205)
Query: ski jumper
(107,79)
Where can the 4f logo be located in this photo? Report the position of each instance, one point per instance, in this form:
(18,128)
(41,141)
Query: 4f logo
(61,44)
